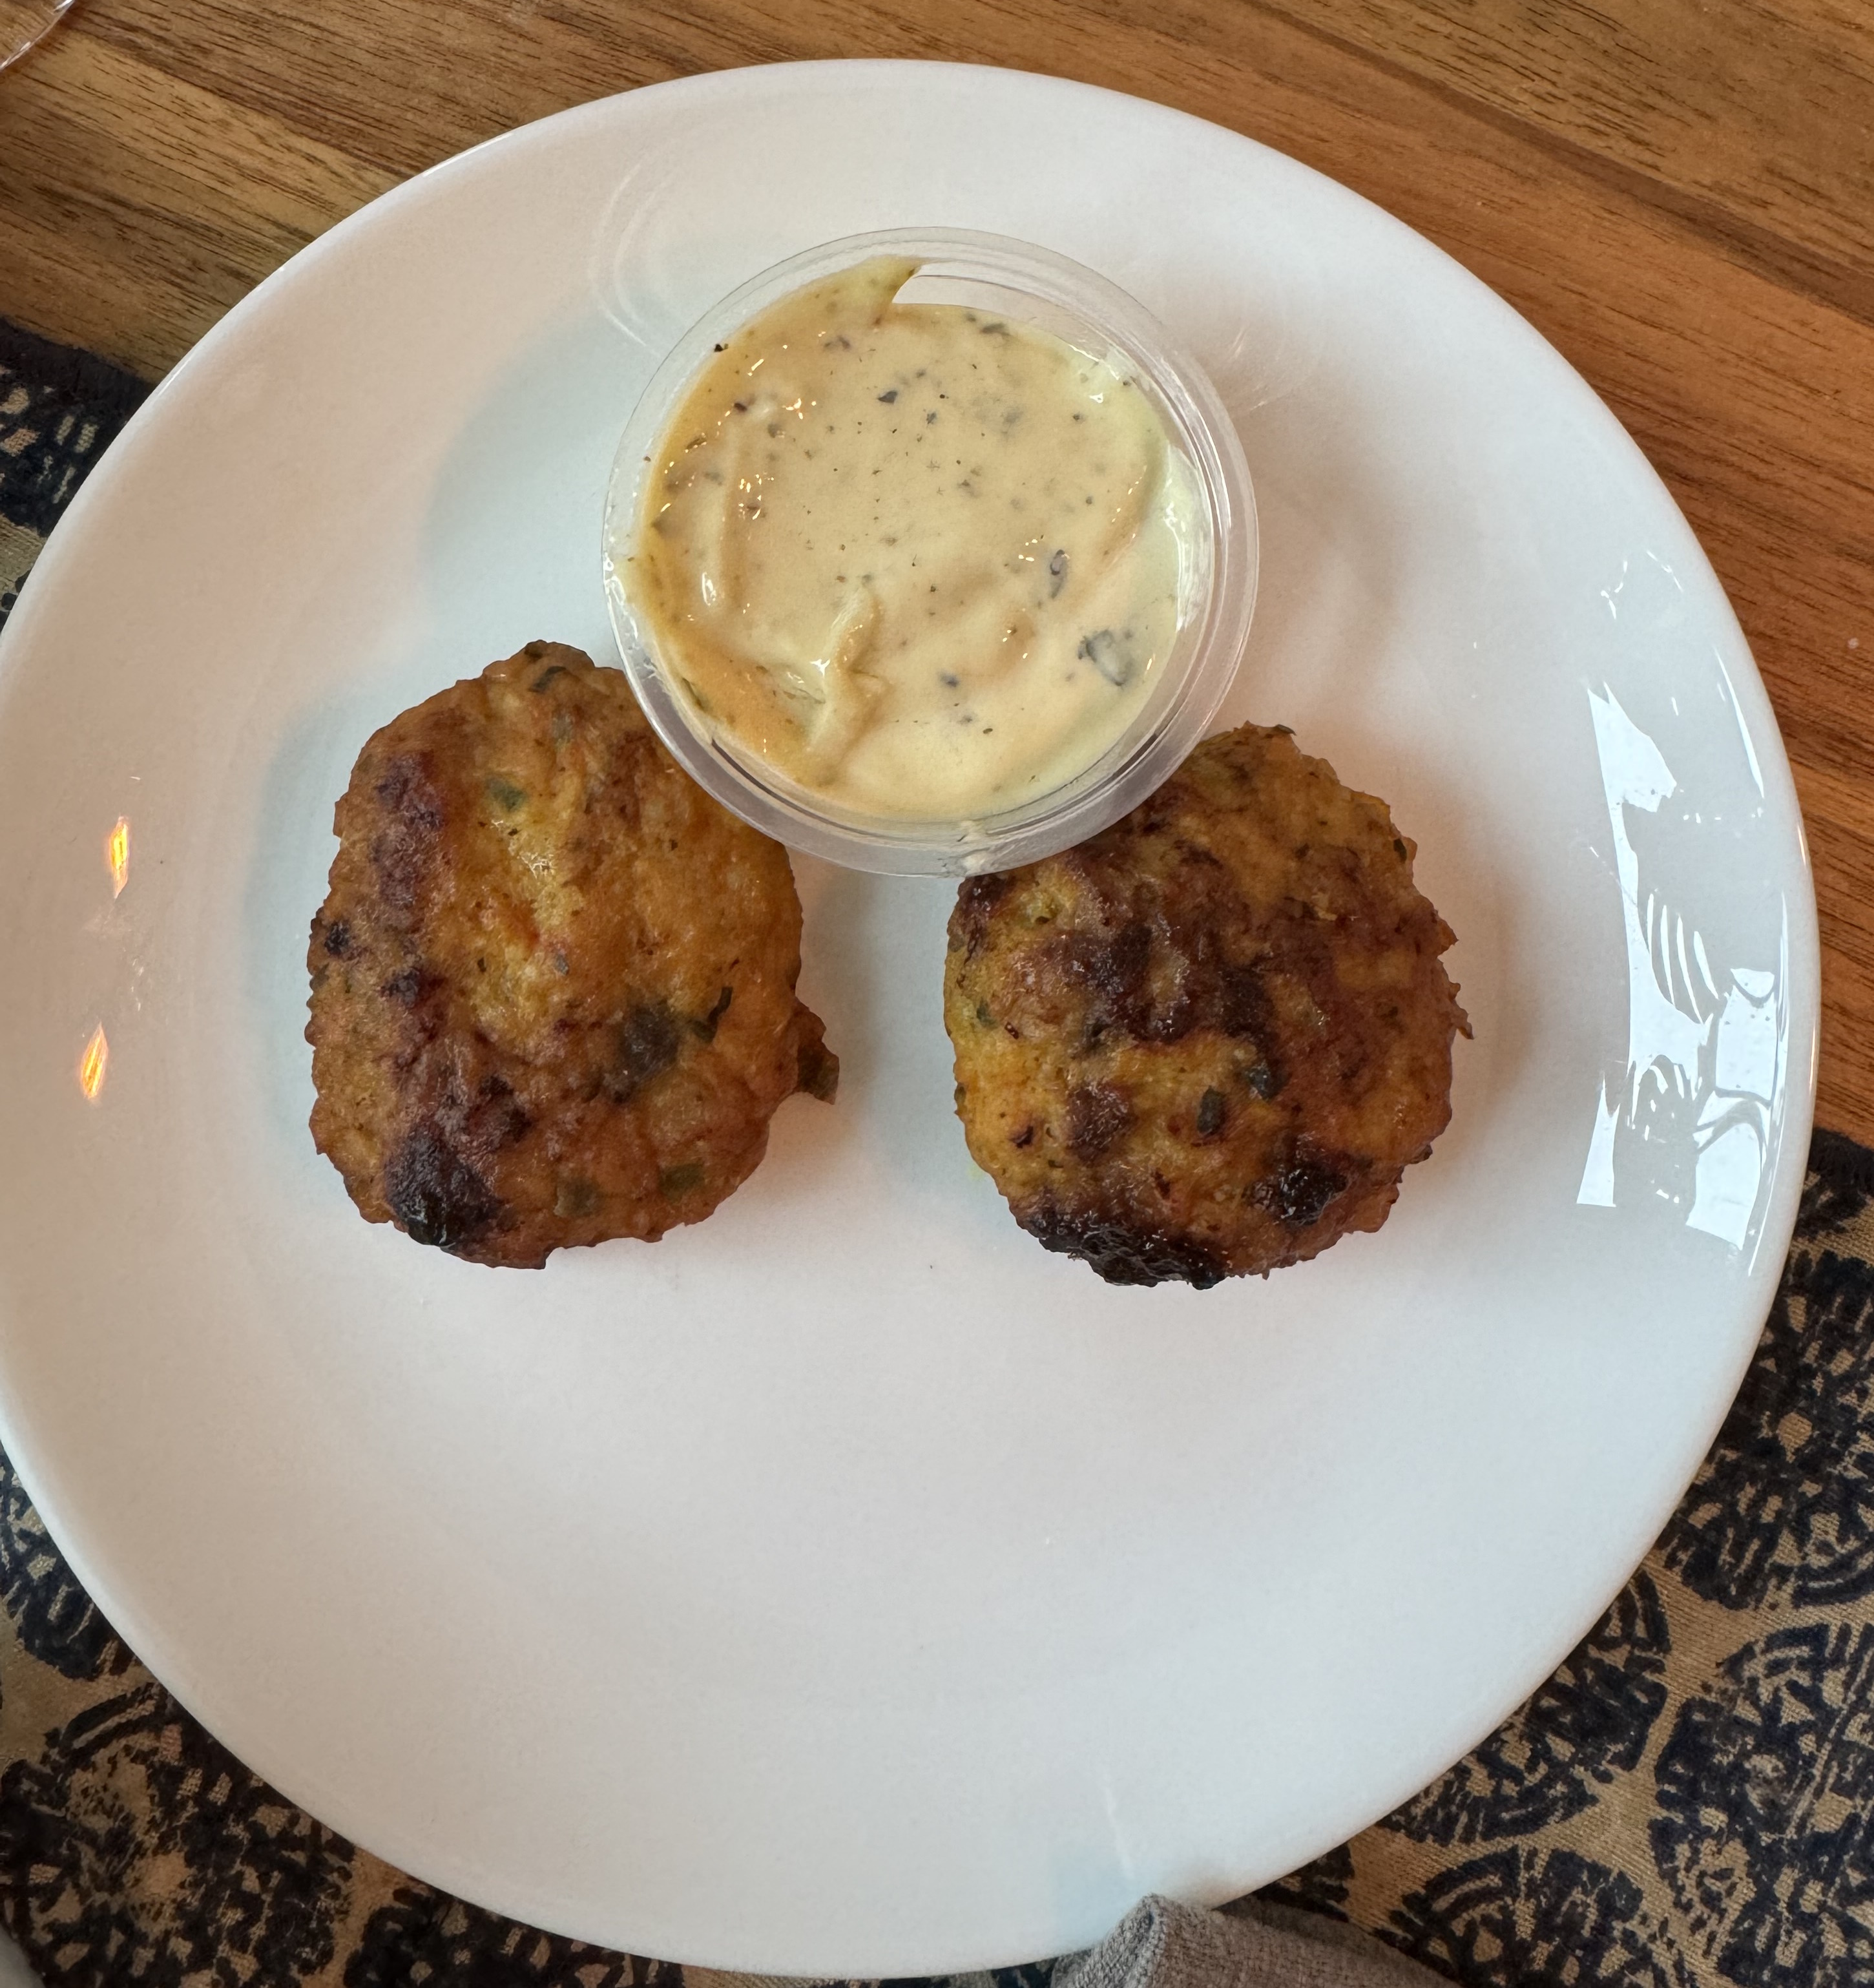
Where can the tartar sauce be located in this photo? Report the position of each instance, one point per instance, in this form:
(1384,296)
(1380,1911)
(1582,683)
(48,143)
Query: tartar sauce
(922,561)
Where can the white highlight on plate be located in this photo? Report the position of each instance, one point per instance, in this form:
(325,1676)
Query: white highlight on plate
(1707,1051)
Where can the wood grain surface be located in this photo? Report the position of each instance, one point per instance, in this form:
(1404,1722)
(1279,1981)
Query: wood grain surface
(1679,196)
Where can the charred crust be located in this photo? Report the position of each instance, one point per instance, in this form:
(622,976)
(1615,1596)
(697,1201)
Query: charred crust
(1117,967)
(817,1067)
(647,1044)
(496,1118)
(1266,1076)
(706,1025)
(977,899)
(1153,816)
(436,1197)
(1241,1002)
(405,789)
(1126,1253)
(1298,1194)
(406,845)
(407,986)
(1204,989)
(1097,1116)
(1116,972)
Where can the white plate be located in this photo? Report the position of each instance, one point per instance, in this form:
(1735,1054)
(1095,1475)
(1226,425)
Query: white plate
(845,1585)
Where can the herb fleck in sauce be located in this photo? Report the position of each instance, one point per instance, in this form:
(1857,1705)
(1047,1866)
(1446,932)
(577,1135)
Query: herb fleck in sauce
(925,563)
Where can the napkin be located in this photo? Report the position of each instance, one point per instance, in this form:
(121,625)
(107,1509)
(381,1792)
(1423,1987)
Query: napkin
(1161,1944)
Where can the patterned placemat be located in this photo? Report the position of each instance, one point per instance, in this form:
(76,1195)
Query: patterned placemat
(1689,1800)
(59,409)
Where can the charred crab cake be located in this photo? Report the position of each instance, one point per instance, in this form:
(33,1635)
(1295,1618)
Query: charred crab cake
(1208,1042)
(553,982)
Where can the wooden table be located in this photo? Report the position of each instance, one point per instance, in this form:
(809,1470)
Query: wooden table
(1681,197)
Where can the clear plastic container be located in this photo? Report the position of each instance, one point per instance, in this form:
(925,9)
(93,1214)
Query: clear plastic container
(1025,284)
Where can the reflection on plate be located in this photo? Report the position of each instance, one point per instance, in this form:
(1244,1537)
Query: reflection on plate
(1693,1120)
(845,1585)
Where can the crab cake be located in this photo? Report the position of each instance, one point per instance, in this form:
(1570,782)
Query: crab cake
(1208,1042)
(553,982)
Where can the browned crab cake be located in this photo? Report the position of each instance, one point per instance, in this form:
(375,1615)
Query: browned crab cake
(1208,1042)
(553,982)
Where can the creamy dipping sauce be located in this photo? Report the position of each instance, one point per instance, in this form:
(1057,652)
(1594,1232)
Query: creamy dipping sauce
(922,561)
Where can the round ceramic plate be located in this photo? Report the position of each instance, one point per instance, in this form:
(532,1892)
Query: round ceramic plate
(845,1585)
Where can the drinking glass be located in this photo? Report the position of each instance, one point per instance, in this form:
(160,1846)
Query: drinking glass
(25,22)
